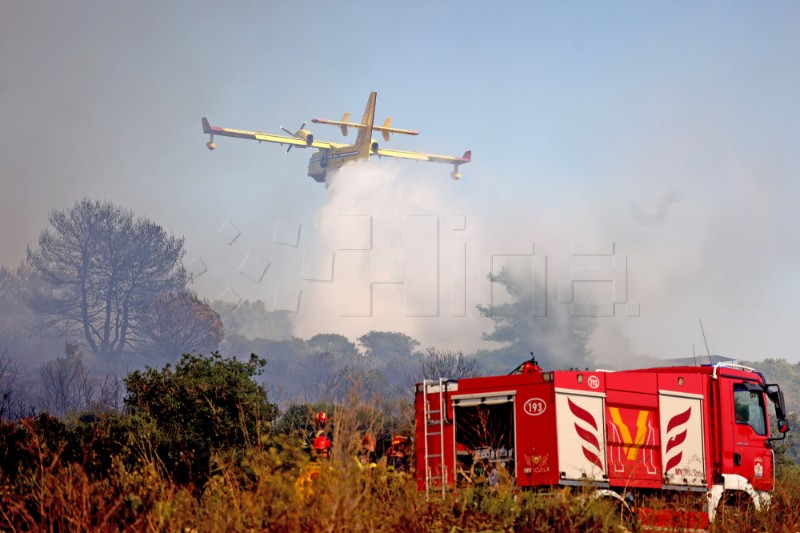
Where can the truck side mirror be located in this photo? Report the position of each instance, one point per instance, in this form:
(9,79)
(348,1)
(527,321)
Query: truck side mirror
(775,394)
(783,426)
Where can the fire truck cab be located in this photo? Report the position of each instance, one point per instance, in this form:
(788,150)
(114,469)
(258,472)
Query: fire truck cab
(693,429)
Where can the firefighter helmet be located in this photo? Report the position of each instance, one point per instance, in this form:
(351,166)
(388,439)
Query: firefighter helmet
(400,439)
(322,417)
(322,443)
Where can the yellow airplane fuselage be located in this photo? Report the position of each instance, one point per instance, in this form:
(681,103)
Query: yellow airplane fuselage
(324,161)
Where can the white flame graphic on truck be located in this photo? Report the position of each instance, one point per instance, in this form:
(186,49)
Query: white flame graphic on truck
(676,437)
(588,437)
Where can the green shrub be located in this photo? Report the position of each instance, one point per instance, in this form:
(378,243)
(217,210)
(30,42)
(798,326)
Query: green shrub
(205,402)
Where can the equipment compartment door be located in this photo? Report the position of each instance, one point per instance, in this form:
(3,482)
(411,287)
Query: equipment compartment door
(581,436)
(682,451)
(485,438)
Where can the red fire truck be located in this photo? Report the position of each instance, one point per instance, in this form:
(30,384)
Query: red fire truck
(701,431)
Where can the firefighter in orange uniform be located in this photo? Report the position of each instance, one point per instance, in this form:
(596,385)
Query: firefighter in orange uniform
(322,453)
(397,454)
(367,456)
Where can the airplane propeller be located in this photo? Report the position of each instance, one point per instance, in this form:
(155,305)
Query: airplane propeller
(293,134)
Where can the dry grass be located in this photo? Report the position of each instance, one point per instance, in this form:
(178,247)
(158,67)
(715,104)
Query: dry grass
(255,489)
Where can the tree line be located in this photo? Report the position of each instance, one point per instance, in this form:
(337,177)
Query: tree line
(104,292)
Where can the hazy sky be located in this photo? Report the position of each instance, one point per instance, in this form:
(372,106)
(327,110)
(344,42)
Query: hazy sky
(667,129)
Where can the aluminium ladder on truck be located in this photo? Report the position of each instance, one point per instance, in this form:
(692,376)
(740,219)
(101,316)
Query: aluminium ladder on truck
(434,433)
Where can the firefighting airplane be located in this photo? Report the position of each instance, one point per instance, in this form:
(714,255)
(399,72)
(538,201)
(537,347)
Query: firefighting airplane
(331,156)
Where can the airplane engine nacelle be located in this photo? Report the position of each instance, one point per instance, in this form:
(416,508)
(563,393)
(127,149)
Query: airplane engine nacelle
(375,146)
(305,135)
(455,175)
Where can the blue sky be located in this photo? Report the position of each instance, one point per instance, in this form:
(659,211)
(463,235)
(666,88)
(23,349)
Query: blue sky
(580,116)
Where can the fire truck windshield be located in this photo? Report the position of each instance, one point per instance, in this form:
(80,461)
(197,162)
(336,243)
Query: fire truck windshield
(749,406)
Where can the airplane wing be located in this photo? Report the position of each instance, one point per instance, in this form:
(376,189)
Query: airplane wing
(421,156)
(265,137)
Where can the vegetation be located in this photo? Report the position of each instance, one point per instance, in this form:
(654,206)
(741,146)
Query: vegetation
(180,322)
(202,449)
(558,340)
(255,490)
(787,375)
(252,320)
(68,386)
(327,366)
(116,283)
(21,338)
(434,364)
(105,476)
(99,270)
(204,405)
(210,401)
(201,446)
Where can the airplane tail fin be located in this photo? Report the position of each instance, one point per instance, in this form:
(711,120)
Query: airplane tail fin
(387,129)
(345,120)
(364,140)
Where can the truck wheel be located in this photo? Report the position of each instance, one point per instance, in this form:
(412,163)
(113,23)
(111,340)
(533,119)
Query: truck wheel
(627,519)
(735,510)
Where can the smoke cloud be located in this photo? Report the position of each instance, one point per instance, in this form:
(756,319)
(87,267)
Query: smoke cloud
(662,144)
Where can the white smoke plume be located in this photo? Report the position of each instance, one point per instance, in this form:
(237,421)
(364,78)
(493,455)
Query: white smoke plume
(712,243)
(368,208)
